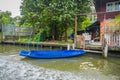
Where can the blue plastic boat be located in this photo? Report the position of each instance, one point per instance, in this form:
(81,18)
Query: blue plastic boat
(51,53)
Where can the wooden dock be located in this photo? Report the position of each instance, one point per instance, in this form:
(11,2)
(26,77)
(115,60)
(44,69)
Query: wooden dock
(94,46)
(89,48)
(93,51)
(39,44)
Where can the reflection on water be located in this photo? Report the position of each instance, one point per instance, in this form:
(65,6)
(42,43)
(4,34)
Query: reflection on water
(85,67)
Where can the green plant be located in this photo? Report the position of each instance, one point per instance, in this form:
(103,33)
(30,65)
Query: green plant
(23,40)
(40,36)
(55,15)
(117,17)
(86,23)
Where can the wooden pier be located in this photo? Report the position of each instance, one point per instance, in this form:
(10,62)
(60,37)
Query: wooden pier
(91,48)
(95,47)
(38,44)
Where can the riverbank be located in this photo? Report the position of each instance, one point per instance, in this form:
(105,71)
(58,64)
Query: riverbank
(51,45)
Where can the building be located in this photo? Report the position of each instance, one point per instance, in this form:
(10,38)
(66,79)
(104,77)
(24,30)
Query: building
(107,9)
(106,29)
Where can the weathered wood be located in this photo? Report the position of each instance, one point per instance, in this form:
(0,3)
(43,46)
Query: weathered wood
(70,46)
(93,47)
(113,39)
(41,44)
(105,51)
(93,51)
(75,30)
(80,41)
(114,48)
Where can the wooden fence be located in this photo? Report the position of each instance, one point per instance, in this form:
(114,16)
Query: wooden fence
(82,40)
(112,39)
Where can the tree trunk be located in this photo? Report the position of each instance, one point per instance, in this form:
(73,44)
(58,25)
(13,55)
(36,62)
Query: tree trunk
(66,35)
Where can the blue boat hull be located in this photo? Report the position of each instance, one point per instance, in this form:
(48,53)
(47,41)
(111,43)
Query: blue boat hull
(51,53)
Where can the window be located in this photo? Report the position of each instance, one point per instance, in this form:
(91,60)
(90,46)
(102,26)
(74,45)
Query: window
(117,6)
(109,6)
(113,6)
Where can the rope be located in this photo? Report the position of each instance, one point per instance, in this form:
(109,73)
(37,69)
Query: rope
(39,35)
(29,40)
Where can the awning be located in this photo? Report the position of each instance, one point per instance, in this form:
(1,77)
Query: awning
(93,27)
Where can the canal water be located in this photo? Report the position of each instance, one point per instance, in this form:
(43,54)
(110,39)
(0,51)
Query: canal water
(84,67)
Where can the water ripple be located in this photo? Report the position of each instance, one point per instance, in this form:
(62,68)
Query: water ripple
(18,70)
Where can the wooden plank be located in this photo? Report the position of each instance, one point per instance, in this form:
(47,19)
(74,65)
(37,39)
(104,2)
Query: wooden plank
(92,51)
(75,30)
(84,14)
(42,44)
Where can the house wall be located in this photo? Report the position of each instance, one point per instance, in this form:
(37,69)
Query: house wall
(109,27)
(101,7)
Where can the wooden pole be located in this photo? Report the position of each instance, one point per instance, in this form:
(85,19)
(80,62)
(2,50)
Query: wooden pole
(75,30)
(105,48)
(106,51)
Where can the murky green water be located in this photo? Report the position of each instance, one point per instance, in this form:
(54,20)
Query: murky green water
(85,67)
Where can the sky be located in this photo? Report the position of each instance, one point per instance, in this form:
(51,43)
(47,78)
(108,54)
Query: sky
(11,5)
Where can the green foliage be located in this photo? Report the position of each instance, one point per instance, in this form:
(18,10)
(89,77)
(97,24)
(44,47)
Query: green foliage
(5,17)
(41,36)
(117,17)
(54,16)
(17,21)
(23,40)
(114,25)
(86,23)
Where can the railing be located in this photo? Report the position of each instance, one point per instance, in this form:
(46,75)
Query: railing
(11,32)
(112,39)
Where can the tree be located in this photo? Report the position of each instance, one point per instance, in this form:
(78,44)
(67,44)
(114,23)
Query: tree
(55,16)
(5,17)
(17,21)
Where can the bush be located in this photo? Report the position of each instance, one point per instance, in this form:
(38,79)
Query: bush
(41,36)
(23,40)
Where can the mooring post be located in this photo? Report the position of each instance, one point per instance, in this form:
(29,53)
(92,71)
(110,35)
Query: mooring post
(105,48)
(73,46)
(68,47)
(105,52)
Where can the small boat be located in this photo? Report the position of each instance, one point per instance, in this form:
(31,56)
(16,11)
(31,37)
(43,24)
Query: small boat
(51,53)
